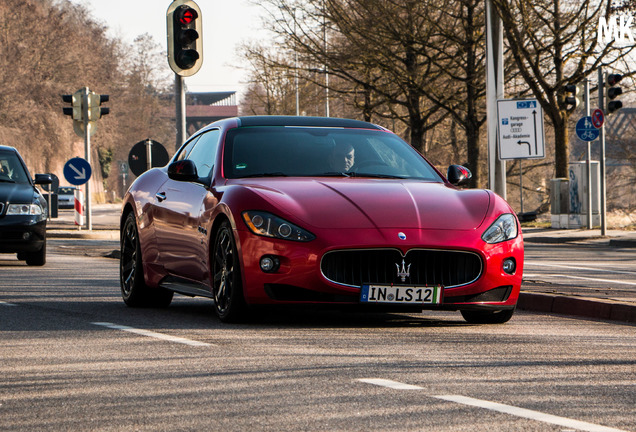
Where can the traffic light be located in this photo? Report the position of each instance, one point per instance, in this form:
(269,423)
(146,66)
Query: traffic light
(75,110)
(572,100)
(185,43)
(612,92)
(95,110)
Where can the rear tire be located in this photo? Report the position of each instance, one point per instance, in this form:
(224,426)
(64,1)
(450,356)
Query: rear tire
(227,286)
(37,258)
(131,272)
(487,317)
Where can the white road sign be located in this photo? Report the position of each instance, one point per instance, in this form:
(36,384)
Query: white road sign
(520,129)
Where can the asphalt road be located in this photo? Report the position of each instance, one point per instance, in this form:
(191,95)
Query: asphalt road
(74,357)
(592,268)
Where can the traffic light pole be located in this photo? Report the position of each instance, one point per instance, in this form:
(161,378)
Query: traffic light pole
(588,164)
(494,91)
(601,102)
(87,151)
(180,115)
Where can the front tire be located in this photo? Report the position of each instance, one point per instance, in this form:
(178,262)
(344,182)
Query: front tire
(227,287)
(487,317)
(131,272)
(37,258)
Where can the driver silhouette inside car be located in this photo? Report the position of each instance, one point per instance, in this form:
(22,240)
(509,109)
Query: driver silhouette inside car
(342,158)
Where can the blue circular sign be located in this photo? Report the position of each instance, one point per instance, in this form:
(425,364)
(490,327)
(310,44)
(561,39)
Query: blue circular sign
(77,171)
(586,130)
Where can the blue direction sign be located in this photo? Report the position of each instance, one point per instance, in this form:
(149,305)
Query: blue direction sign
(77,171)
(586,130)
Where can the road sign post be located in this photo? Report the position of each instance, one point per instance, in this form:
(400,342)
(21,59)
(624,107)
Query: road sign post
(147,154)
(77,171)
(520,127)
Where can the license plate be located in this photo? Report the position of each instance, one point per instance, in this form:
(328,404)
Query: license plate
(401,294)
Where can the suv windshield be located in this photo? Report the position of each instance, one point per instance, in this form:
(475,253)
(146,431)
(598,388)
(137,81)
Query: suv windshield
(272,151)
(11,169)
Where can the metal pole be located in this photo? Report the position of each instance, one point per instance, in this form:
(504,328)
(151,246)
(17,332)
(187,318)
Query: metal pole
(180,114)
(326,91)
(521,184)
(148,154)
(494,91)
(601,102)
(588,164)
(296,69)
(87,151)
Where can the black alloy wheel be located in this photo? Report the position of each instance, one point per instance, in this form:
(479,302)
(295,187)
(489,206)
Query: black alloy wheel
(131,274)
(227,289)
(37,258)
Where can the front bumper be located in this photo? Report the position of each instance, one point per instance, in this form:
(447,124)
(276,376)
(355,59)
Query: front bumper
(300,278)
(21,234)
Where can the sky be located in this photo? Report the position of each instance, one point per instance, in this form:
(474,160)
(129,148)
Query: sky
(226,23)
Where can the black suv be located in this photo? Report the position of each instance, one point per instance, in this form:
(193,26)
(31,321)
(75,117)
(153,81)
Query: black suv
(23,210)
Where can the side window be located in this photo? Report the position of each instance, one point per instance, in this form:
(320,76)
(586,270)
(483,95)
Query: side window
(204,152)
(186,149)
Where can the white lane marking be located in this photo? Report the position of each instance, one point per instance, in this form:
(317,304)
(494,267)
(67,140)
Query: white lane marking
(547,275)
(6,304)
(502,408)
(152,334)
(390,384)
(571,267)
(529,414)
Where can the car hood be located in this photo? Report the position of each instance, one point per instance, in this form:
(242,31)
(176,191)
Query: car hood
(371,203)
(20,193)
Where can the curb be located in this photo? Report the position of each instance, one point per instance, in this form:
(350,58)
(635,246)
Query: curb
(623,243)
(578,306)
(90,235)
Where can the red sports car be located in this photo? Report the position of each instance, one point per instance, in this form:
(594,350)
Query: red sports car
(305,210)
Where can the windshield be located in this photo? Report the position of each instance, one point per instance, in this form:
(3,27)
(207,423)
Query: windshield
(272,151)
(11,169)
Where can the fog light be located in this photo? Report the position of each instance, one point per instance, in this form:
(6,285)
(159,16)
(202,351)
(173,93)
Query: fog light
(26,236)
(509,266)
(269,264)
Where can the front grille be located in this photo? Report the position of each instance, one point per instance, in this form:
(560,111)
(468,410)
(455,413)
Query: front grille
(381,266)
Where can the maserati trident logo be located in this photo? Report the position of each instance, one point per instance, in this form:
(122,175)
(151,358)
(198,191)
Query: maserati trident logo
(404,272)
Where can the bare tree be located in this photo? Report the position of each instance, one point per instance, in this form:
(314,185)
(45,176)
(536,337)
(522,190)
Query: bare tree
(554,43)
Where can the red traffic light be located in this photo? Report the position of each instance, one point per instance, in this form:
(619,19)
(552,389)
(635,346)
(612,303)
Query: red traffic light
(613,79)
(186,15)
(185,48)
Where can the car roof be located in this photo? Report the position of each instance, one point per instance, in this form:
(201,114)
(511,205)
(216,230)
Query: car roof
(304,121)
(3,147)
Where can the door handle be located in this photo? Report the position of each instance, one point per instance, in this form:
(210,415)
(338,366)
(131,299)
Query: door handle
(160,196)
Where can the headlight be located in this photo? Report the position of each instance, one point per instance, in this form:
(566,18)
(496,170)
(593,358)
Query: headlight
(266,224)
(503,229)
(24,210)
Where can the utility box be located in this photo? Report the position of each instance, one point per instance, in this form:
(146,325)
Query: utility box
(579,194)
(568,197)
(559,202)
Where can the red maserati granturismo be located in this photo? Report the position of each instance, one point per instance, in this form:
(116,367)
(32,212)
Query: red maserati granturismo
(304,210)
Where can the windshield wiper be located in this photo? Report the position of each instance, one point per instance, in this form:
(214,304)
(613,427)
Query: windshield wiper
(337,174)
(7,181)
(270,174)
(385,176)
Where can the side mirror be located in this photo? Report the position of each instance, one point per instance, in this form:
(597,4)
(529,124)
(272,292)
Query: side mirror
(43,179)
(458,175)
(183,170)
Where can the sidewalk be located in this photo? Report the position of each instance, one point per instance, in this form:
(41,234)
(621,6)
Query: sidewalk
(606,304)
